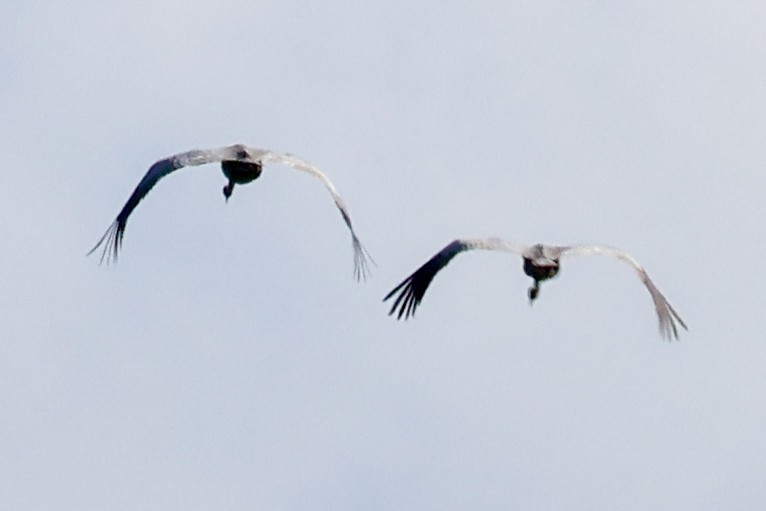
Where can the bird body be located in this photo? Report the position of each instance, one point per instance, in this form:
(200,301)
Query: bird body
(539,265)
(241,165)
(541,262)
(239,173)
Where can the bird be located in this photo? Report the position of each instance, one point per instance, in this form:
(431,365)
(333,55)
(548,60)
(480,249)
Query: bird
(240,165)
(541,263)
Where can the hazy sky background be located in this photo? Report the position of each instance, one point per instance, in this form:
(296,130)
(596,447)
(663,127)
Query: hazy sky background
(230,361)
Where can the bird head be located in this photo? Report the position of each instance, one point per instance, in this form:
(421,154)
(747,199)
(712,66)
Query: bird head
(227,191)
(533,292)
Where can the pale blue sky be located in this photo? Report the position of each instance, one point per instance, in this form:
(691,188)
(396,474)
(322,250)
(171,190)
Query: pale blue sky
(229,361)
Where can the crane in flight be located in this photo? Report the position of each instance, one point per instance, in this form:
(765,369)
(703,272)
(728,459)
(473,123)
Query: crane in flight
(241,165)
(541,262)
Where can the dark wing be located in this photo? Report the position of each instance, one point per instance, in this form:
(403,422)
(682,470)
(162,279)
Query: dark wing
(362,258)
(112,239)
(413,288)
(665,313)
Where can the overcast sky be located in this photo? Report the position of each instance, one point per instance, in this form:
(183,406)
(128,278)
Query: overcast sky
(230,361)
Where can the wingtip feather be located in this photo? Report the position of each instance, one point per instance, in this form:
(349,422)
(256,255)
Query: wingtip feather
(112,241)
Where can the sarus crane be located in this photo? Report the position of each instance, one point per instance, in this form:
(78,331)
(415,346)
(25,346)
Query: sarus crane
(241,165)
(541,262)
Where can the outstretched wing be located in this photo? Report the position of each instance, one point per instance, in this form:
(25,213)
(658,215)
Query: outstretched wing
(666,314)
(112,239)
(413,288)
(362,258)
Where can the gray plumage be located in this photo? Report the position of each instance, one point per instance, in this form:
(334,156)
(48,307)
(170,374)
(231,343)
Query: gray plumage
(240,164)
(541,262)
